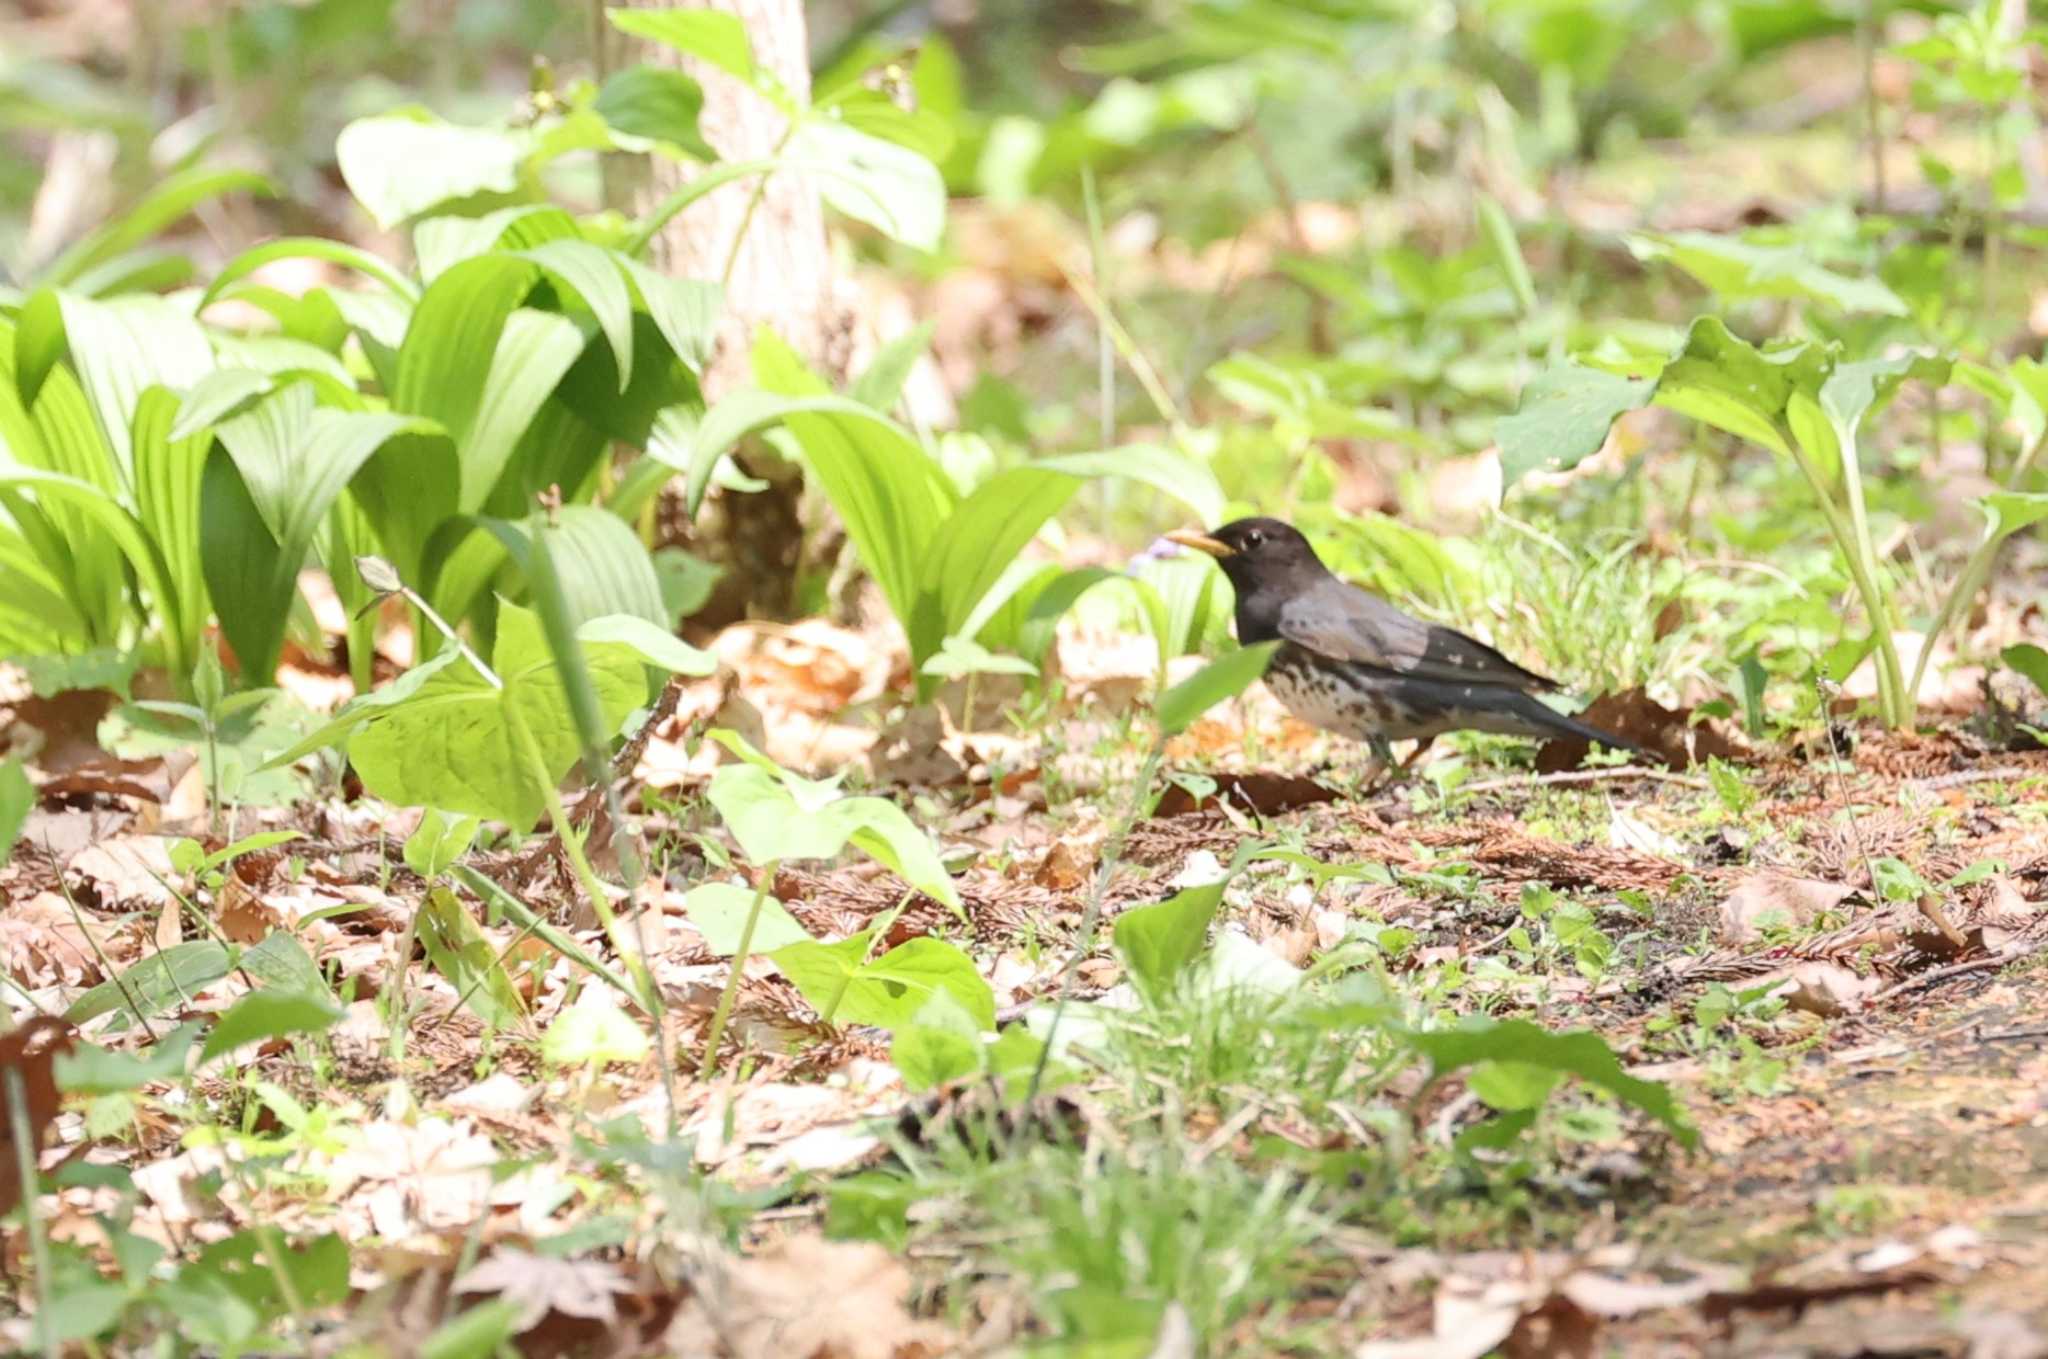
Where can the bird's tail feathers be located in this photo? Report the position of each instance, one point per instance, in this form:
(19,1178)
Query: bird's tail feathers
(1550,719)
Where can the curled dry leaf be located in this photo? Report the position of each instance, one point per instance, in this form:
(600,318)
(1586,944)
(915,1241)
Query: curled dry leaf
(124,869)
(1767,899)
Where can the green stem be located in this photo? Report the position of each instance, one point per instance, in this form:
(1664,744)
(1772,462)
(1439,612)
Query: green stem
(1845,535)
(716,178)
(572,843)
(1976,569)
(732,256)
(1899,702)
(739,967)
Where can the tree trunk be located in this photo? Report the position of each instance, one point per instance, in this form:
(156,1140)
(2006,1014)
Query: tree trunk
(780,277)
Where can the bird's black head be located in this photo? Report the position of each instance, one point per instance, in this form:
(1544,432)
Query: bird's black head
(1258,553)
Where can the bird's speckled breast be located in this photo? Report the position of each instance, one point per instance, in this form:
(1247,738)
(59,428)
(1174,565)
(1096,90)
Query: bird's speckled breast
(1322,696)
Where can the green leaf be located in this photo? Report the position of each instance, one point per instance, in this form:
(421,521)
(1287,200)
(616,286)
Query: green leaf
(462,316)
(267,490)
(465,955)
(311,248)
(118,348)
(454,742)
(2024,658)
(1507,253)
(1738,270)
(941,1043)
(2012,511)
(438,841)
(719,911)
(270,1013)
(90,1070)
(603,569)
(684,310)
(399,165)
(889,991)
(1158,941)
(973,547)
(1721,380)
(594,1032)
(709,35)
(169,201)
(657,103)
(17,800)
(593,274)
(881,383)
(1223,678)
(886,185)
(1166,470)
(1510,1087)
(1563,419)
(763,814)
(657,645)
(1578,1052)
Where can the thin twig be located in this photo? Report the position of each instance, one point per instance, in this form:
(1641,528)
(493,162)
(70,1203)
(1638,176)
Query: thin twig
(1964,777)
(1942,974)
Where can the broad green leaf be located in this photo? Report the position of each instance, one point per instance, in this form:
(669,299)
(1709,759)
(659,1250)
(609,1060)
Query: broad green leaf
(398,166)
(1738,270)
(891,496)
(657,103)
(657,645)
(2012,511)
(441,243)
(594,1032)
(602,567)
(1578,1052)
(889,991)
(1223,678)
(534,351)
(1725,382)
(99,509)
(889,187)
(593,274)
(1507,252)
(685,310)
(1563,419)
(466,956)
(1510,1087)
(454,743)
(363,707)
(312,248)
(17,800)
(1158,941)
(90,1070)
(973,547)
(719,911)
(168,202)
(1166,470)
(438,841)
(1854,391)
(167,482)
(267,490)
(2024,658)
(709,35)
(270,1013)
(217,396)
(118,348)
(460,317)
(941,1043)
(158,982)
(764,815)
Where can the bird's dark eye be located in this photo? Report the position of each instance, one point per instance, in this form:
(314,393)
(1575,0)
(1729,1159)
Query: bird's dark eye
(1254,538)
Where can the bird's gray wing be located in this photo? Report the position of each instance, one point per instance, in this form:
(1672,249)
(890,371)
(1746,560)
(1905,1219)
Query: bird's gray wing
(1344,622)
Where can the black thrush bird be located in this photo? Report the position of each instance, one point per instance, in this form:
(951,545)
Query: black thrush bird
(1353,664)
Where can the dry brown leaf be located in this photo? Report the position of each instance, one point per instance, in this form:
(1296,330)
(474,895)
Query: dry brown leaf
(1669,734)
(29,1052)
(45,941)
(1764,899)
(126,868)
(806,1298)
(1826,989)
(540,1284)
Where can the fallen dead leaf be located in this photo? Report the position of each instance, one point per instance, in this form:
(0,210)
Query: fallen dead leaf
(1826,989)
(1766,899)
(124,869)
(805,1298)
(28,1053)
(45,941)
(1668,734)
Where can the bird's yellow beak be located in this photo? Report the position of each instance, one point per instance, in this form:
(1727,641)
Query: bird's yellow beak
(1201,542)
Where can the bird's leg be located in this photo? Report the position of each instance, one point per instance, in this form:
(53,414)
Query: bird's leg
(1422,748)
